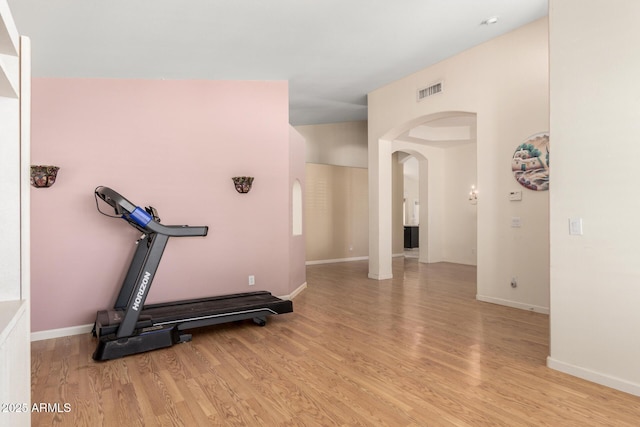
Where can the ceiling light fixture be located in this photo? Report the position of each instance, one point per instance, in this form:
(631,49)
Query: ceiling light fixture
(490,21)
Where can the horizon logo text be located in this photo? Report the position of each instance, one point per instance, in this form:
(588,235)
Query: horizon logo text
(141,289)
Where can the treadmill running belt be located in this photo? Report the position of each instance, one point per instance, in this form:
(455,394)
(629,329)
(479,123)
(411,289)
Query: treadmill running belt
(174,312)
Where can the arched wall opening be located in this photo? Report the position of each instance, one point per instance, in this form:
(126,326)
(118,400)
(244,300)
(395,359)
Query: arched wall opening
(410,220)
(425,217)
(505,82)
(296,198)
(445,145)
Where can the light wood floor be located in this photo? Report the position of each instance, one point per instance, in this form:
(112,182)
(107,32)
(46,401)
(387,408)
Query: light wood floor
(415,351)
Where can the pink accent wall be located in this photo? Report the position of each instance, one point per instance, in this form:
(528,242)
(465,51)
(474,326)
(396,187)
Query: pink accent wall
(174,145)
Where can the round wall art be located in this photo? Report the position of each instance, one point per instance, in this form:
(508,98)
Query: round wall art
(530,164)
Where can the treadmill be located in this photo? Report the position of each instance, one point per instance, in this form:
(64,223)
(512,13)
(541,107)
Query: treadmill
(131,326)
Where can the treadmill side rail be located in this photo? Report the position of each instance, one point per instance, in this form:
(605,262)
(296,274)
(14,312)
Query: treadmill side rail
(195,313)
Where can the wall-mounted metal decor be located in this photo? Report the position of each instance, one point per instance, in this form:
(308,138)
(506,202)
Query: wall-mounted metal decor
(242,183)
(43,176)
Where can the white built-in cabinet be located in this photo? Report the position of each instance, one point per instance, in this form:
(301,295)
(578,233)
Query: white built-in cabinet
(15,95)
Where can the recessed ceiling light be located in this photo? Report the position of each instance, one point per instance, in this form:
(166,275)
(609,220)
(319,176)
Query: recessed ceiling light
(490,21)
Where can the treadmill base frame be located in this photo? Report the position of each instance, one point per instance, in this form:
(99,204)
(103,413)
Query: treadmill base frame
(110,347)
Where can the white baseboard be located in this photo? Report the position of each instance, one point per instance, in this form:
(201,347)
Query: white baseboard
(357,258)
(514,304)
(332,261)
(85,329)
(596,377)
(295,293)
(380,276)
(62,332)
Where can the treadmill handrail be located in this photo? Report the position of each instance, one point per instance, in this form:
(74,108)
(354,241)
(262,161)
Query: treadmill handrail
(133,213)
(177,230)
(115,200)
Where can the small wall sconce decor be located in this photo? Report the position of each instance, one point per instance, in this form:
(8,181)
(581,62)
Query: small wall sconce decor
(473,195)
(242,183)
(43,176)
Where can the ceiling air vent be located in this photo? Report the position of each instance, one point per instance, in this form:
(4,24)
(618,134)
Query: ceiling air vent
(429,91)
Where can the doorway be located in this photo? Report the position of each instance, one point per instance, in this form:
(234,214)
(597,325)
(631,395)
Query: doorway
(444,144)
(410,205)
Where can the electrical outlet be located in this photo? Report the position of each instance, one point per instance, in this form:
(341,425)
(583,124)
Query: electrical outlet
(252,280)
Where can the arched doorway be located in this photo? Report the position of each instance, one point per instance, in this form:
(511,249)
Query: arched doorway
(445,145)
(410,204)
(419,202)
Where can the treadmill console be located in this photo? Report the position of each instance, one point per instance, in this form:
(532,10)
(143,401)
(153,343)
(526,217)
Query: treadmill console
(145,220)
(123,207)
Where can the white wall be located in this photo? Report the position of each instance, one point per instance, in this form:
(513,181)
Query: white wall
(411,187)
(15,228)
(504,82)
(335,221)
(460,222)
(339,144)
(10,170)
(595,126)
(397,194)
(431,194)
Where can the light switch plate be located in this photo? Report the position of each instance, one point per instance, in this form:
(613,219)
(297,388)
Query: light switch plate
(575,226)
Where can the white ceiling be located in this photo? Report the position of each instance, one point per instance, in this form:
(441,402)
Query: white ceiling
(332,52)
(445,132)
